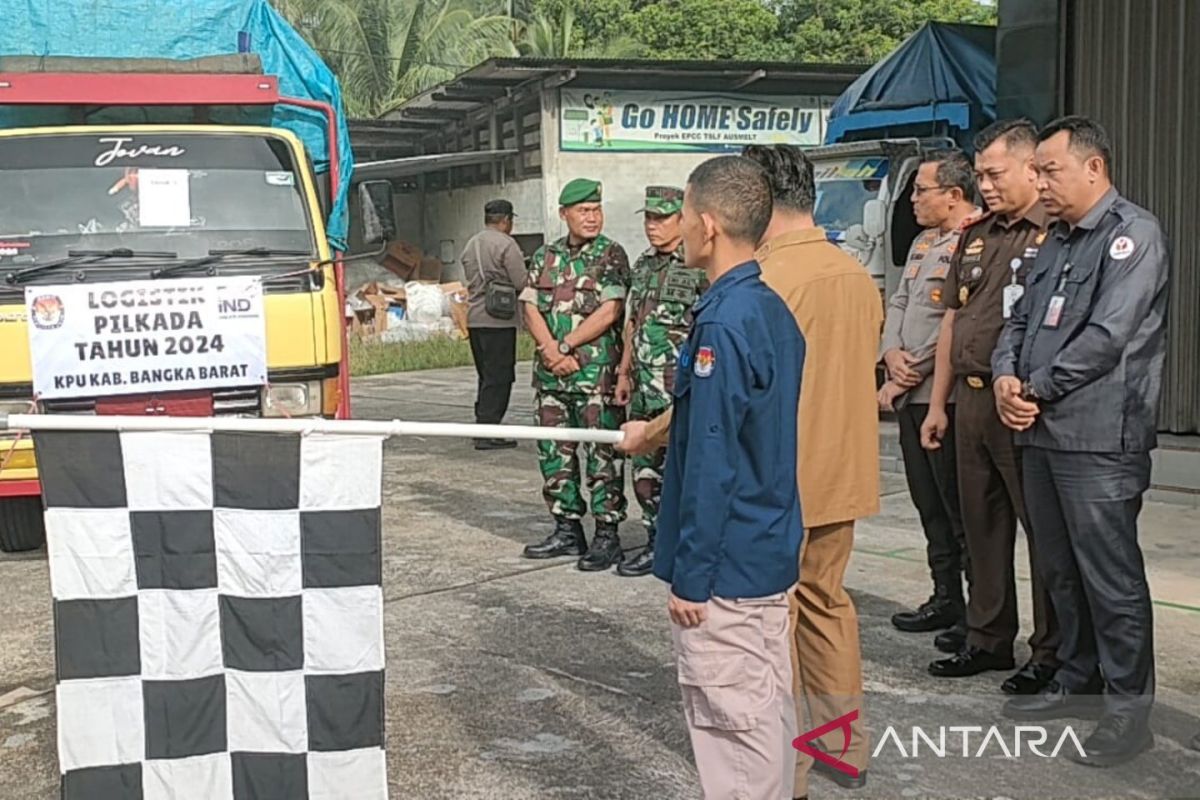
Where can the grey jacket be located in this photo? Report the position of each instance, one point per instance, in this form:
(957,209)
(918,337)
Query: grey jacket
(915,311)
(1090,333)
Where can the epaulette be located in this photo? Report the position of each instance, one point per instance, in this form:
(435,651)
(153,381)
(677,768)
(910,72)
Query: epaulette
(974,220)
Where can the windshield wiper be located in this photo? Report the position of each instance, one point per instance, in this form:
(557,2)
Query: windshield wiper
(85,257)
(217,255)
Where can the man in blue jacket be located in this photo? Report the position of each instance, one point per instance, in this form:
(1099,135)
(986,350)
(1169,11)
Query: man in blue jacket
(729,527)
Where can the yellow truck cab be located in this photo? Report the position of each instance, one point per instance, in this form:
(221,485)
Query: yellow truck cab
(155,206)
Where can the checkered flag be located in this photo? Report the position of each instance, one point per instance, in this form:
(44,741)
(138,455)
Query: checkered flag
(218,614)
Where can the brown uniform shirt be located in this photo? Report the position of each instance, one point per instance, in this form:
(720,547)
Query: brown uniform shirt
(838,309)
(991,252)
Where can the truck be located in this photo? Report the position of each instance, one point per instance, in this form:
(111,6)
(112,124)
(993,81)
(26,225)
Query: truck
(216,152)
(935,91)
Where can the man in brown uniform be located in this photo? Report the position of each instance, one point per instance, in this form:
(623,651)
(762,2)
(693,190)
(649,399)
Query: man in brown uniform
(840,314)
(986,278)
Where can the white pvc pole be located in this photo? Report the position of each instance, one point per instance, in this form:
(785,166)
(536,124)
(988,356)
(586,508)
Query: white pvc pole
(72,422)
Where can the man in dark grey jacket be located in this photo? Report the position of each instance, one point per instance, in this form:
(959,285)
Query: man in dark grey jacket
(492,254)
(1078,374)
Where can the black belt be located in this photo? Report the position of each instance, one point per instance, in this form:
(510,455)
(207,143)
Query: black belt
(979,380)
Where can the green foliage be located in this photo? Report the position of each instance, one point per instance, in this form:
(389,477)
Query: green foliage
(865,31)
(377,358)
(705,29)
(386,51)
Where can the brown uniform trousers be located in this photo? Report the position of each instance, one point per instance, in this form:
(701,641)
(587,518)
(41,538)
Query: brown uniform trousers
(992,503)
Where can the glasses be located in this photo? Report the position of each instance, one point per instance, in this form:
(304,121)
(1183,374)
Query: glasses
(920,190)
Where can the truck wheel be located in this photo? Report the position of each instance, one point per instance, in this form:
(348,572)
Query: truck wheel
(21,524)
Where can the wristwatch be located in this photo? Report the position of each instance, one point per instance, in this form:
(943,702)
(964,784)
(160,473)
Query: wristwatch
(564,348)
(1028,392)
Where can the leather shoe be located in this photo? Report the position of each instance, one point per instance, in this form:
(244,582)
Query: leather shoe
(840,778)
(1117,738)
(953,640)
(566,540)
(641,563)
(605,550)
(1057,702)
(1029,679)
(934,614)
(969,661)
(495,444)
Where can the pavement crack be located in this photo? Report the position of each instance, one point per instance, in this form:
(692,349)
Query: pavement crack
(570,676)
(471,584)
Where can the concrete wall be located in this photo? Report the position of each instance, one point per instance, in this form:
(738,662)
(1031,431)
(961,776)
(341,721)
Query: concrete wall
(455,216)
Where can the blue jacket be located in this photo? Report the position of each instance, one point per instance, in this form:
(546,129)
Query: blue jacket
(729,524)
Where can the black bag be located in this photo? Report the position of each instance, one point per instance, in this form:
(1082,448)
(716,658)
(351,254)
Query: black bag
(499,295)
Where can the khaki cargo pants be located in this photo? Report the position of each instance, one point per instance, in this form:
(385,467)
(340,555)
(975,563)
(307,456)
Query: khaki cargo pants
(735,673)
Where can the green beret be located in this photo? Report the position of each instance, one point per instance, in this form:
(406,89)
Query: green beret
(580,190)
(664,200)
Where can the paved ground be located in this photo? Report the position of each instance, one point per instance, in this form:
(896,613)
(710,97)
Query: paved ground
(517,679)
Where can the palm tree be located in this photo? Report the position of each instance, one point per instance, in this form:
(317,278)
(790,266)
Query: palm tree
(544,37)
(386,51)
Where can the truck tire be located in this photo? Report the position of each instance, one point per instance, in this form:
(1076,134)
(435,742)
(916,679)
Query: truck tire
(21,524)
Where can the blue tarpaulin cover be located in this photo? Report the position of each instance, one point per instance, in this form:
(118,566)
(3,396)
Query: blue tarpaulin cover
(186,30)
(943,72)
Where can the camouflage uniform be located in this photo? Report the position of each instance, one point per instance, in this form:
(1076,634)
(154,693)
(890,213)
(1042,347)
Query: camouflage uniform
(567,286)
(660,312)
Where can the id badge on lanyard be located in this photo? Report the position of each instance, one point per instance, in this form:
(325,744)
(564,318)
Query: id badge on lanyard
(1058,301)
(1014,291)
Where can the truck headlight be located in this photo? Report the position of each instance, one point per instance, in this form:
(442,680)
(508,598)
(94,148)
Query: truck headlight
(292,399)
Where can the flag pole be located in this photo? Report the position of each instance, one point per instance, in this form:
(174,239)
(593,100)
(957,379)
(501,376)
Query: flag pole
(386,428)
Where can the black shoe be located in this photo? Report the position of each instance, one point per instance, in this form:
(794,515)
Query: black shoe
(1116,739)
(566,540)
(953,640)
(1029,679)
(1057,702)
(840,778)
(641,563)
(969,661)
(495,444)
(605,550)
(935,614)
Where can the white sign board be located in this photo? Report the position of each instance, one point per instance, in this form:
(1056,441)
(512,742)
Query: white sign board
(135,337)
(598,120)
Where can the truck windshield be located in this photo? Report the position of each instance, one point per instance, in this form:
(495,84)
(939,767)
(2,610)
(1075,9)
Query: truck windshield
(186,193)
(843,187)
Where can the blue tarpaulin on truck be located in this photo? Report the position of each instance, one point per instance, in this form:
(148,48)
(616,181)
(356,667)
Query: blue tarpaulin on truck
(943,73)
(187,30)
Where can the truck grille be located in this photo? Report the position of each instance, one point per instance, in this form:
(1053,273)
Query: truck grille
(242,401)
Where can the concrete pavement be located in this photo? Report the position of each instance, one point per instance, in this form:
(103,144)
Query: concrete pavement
(516,679)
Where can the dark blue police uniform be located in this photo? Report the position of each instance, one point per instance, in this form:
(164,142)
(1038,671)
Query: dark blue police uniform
(729,524)
(1088,340)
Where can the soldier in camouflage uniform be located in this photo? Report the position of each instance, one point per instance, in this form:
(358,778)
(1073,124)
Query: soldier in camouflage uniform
(574,303)
(658,317)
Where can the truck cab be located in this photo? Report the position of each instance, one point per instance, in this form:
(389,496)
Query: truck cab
(864,200)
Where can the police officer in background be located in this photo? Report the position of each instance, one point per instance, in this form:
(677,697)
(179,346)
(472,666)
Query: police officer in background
(1079,372)
(986,277)
(942,200)
(658,317)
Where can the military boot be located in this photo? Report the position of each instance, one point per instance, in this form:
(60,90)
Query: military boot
(566,540)
(605,550)
(641,563)
(942,610)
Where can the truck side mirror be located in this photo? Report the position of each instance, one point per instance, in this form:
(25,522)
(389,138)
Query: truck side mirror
(874,218)
(378,216)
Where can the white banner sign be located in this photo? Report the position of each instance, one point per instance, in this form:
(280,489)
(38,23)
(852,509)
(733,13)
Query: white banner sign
(134,337)
(597,120)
